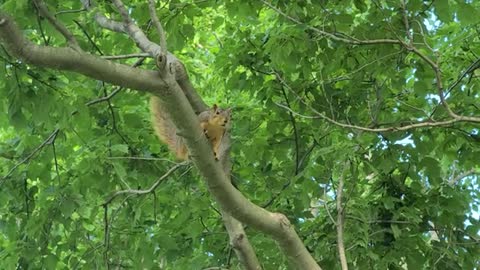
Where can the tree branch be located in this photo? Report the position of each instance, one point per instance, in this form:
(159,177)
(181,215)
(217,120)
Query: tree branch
(80,62)
(229,198)
(42,8)
(410,47)
(103,21)
(428,123)
(126,56)
(104,98)
(349,40)
(144,191)
(117,89)
(47,141)
(239,242)
(295,133)
(158,25)
(386,129)
(340,220)
(405,22)
(136,34)
(459,177)
(178,107)
(475,65)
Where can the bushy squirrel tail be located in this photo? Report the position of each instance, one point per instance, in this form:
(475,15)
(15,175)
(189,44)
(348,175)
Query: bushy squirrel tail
(166,130)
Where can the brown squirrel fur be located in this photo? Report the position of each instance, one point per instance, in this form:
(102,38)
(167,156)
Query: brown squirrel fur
(213,122)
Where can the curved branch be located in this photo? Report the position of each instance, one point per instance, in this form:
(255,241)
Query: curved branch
(137,35)
(102,20)
(455,118)
(353,41)
(176,104)
(144,191)
(349,40)
(47,141)
(319,115)
(142,41)
(459,177)
(230,199)
(71,60)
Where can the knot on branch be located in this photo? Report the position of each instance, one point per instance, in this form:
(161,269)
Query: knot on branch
(165,66)
(236,242)
(282,220)
(161,62)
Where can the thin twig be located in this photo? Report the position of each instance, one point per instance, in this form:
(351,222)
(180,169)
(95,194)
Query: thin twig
(410,47)
(123,12)
(145,191)
(125,56)
(405,21)
(326,208)
(145,158)
(438,78)
(346,76)
(114,119)
(42,8)
(420,26)
(46,40)
(70,11)
(158,26)
(420,124)
(106,240)
(55,160)
(295,133)
(459,177)
(348,40)
(475,65)
(386,129)
(114,92)
(49,140)
(104,98)
(85,32)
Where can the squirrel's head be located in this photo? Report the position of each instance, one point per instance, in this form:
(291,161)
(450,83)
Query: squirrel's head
(220,116)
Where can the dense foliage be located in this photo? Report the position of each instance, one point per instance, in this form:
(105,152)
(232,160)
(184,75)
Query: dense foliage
(308,94)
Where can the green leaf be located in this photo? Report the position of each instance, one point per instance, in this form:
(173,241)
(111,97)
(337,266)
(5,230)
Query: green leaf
(442,10)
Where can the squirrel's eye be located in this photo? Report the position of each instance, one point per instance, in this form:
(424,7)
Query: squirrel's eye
(217,112)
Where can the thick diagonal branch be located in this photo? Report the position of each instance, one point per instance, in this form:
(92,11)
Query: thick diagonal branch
(230,199)
(70,60)
(175,103)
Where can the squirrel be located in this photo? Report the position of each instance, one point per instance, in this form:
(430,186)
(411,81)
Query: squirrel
(213,122)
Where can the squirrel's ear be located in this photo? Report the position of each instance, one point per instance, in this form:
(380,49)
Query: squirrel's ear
(215,107)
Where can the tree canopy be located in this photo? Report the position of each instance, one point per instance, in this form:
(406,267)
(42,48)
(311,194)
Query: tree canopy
(354,139)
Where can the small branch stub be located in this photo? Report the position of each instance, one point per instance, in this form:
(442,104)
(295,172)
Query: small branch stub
(161,62)
(236,243)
